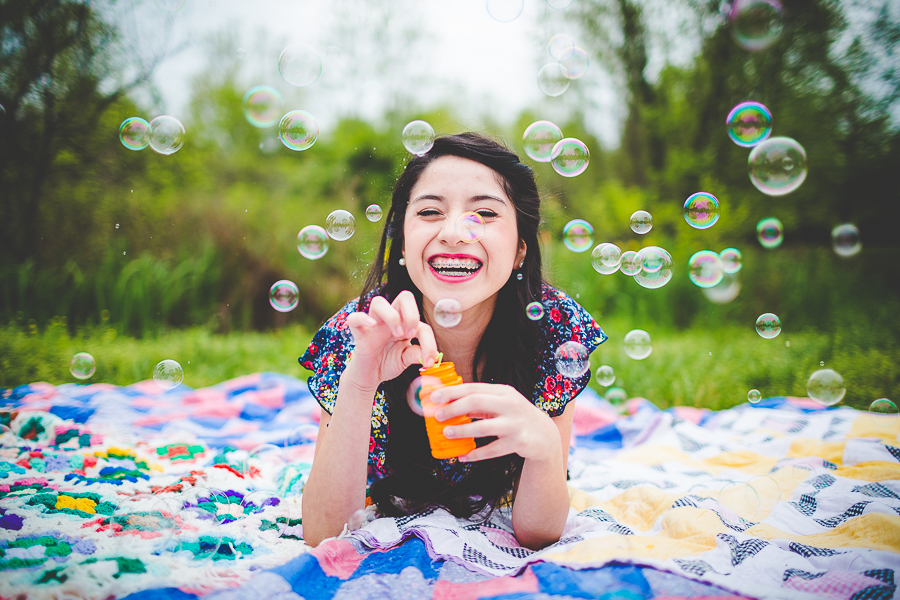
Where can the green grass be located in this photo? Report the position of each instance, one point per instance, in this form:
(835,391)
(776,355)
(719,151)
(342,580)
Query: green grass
(712,368)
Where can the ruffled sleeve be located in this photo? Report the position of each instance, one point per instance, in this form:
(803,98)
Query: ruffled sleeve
(327,356)
(564,320)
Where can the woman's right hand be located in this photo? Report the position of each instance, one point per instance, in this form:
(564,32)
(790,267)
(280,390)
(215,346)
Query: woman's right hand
(382,340)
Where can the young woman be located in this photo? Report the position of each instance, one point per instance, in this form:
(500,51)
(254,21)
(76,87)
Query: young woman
(365,357)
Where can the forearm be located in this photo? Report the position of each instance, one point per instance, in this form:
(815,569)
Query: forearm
(337,483)
(541,504)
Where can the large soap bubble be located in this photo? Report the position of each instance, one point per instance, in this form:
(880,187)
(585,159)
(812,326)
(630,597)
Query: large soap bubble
(725,291)
(605,375)
(570,157)
(166,134)
(656,267)
(630,263)
(701,210)
(82,365)
(340,225)
(470,227)
(637,344)
(300,65)
(576,64)
(753,396)
(168,374)
(705,269)
(749,123)
(756,24)
(284,295)
(883,412)
(777,166)
(553,79)
(448,312)
(534,311)
(606,258)
(262,106)
(845,240)
(770,232)
(641,222)
(578,235)
(298,130)
(572,359)
(768,326)
(617,397)
(505,11)
(134,133)
(539,139)
(312,242)
(374,213)
(561,47)
(731,260)
(418,137)
(826,386)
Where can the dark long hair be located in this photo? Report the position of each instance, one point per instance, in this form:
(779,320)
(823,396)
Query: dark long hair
(508,346)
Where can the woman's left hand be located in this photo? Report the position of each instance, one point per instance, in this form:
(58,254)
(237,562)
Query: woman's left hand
(519,426)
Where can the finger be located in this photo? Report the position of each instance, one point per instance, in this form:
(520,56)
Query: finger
(455,392)
(381,310)
(472,405)
(495,449)
(427,343)
(360,320)
(411,355)
(405,305)
(476,429)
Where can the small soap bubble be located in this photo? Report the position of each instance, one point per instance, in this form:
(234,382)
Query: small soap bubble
(447,312)
(470,227)
(753,396)
(300,65)
(421,388)
(605,375)
(340,225)
(539,139)
(777,166)
(576,64)
(262,106)
(570,157)
(770,232)
(519,276)
(240,53)
(631,263)
(373,213)
(166,134)
(572,359)
(606,258)
(332,52)
(641,222)
(656,267)
(134,133)
(561,47)
(578,235)
(535,311)
(741,498)
(705,269)
(298,130)
(553,79)
(616,396)
(312,242)
(826,387)
(756,24)
(82,366)
(284,295)
(701,210)
(637,344)
(505,11)
(725,291)
(768,326)
(168,374)
(883,412)
(749,123)
(418,137)
(821,363)
(731,260)
(845,240)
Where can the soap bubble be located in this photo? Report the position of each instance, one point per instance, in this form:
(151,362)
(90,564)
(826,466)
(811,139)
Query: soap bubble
(755,24)
(741,498)
(262,106)
(641,222)
(166,135)
(340,225)
(605,375)
(300,65)
(422,386)
(845,240)
(373,213)
(168,374)
(826,387)
(768,326)
(82,365)
(267,515)
(559,4)
(578,235)
(630,263)
(312,242)
(535,311)
(134,133)
(701,210)
(263,457)
(656,267)
(418,137)
(769,231)
(731,260)
(777,166)
(883,412)
(470,227)
(284,295)
(298,130)
(637,344)
(576,64)
(572,359)
(753,396)
(749,123)
(447,312)
(616,396)
(705,269)
(553,79)
(539,140)
(561,47)
(570,157)
(725,291)
(505,11)
(606,258)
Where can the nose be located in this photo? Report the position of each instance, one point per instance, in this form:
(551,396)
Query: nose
(448,234)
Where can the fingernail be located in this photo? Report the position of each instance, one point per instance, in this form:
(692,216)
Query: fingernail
(448,431)
(398,331)
(411,333)
(436,397)
(462,459)
(439,416)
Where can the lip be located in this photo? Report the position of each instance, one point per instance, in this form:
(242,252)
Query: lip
(447,278)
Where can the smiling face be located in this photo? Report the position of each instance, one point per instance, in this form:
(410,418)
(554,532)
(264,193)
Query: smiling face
(440,264)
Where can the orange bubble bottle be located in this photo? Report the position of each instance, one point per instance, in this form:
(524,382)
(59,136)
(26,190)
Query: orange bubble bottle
(442,447)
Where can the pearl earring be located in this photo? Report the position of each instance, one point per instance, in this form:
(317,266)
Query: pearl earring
(402,261)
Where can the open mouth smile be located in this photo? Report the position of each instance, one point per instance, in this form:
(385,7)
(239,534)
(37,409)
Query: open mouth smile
(454,267)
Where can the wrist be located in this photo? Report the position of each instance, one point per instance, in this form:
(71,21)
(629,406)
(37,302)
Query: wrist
(356,381)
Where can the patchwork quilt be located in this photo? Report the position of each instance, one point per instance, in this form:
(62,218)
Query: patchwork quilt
(138,492)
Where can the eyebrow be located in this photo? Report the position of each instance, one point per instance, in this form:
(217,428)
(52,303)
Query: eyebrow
(440,198)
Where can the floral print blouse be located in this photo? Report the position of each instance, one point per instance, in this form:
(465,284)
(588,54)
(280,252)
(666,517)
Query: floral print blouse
(563,320)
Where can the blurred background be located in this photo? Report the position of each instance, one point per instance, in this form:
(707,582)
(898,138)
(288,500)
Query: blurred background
(137,256)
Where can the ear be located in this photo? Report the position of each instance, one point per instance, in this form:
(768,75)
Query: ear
(520,254)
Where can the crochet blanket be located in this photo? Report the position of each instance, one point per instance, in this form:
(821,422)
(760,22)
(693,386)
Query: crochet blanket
(136,492)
